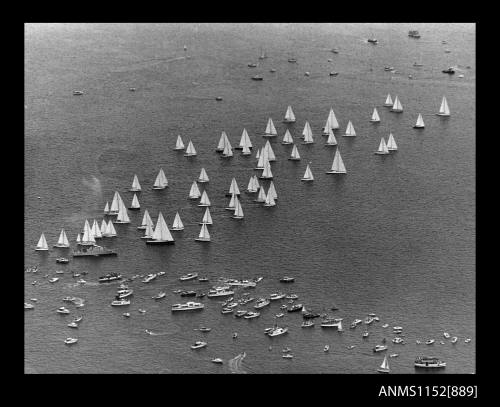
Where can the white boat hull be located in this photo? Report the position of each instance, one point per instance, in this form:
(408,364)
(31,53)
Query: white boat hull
(203,205)
(330,144)
(177,229)
(42,250)
(336,172)
(134,190)
(285,143)
(306,179)
(380,152)
(158,188)
(348,135)
(374,121)
(288,121)
(62,246)
(139,227)
(269,135)
(202,239)
(115,221)
(237,217)
(442,115)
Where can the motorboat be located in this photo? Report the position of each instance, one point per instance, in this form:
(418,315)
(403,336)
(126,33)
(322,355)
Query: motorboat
(413,34)
(454,339)
(292,60)
(449,71)
(379,348)
(70,341)
(365,334)
(333,73)
(284,306)
(159,296)
(227,311)
(272,70)
(188,293)
(385,326)
(218,98)
(126,314)
(198,345)
(369,320)
(59,272)
(220,292)
(27,305)
(77,92)
(62,260)
(204,329)
(200,295)
(286,350)
(295,308)
(307,324)
(262,303)
(280,315)
(188,306)
(467,340)
(373,41)
(202,279)
(78,319)
(291,296)
(141,311)
(110,277)
(189,276)
(397,328)
(240,313)
(287,279)
(63,310)
(121,294)
(276,331)
(446,335)
(326,348)
(394,355)
(251,314)
(217,360)
(398,340)
(388,68)
(235,335)
(276,296)
(53,279)
(331,323)
(335,50)
(287,356)
(252,65)
(119,303)
(257,78)
(149,277)
(429,362)
(429,342)
(73,325)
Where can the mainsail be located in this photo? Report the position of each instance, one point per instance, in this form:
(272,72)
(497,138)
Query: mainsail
(194,193)
(232,203)
(179,145)
(350,132)
(334,124)
(307,133)
(420,122)
(228,151)
(269,201)
(203,176)
(295,153)
(444,110)
(308,176)
(269,151)
(115,204)
(104,226)
(162,233)
(88,237)
(135,203)
(96,230)
(267,174)
(136,187)
(337,165)
(391,143)
(222,141)
(106,208)
(42,243)
(63,240)
(382,148)
(375,116)
(289,116)
(177,225)
(388,101)
(397,107)
(270,129)
(238,210)
(204,201)
(161,180)
(145,220)
(262,195)
(332,141)
(233,188)
(122,214)
(190,151)
(287,138)
(207,218)
(204,235)
(272,190)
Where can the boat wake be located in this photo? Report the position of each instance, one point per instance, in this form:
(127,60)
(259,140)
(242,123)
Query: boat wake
(149,332)
(235,364)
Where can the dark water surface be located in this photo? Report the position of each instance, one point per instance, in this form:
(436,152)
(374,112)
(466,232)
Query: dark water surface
(394,236)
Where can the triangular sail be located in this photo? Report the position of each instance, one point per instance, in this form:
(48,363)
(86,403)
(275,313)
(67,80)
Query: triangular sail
(238,210)
(135,202)
(262,195)
(63,240)
(269,201)
(135,184)
(338,163)
(115,203)
(388,100)
(111,229)
(375,116)
(272,190)
(203,176)
(334,124)
(385,364)
(228,151)
(204,199)
(287,138)
(190,149)
(146,218)
(162,233)
(269,151)
(123,214)
(161,180)
(96,230)
(308,174)
(257,155)
(106,208)
(233,188)
(104,227)
(307,133)
(194,193)
(149,231)
(332,141)
(204,232)
(207,217)
(179,145)
(391,144)
(420,121)
(444,110)
(222,141)
(78,238)
(382,148)
(267,170)
(243,139)
(246,150)
(289,116)
(350,129)
(251,186)
(262,157)
(397,107)
(295,153)
(270,129)
(42,243)
(231,202)
(88,236)
(178,222)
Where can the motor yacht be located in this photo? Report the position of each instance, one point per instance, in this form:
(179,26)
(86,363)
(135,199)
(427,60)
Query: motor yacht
(429,362)
(188,277)
(188,306)
(119,303)
(379,348)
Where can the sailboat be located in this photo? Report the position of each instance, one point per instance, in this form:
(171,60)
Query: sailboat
(397,107)
(331,122)
(96,230)
(233,188)
(104,226)
(136,187)
(384,367)
(179,145)
(204,201)
(122,214)
(106,208)
(238,210)
(287,138)
(194,193)
(262,195)
(246,150)
(161,181)
(307,133)
(204,236)
(110,230)
(149,230)
(391,143)
(232,203)
(222,141)
(63,240)
(269,201)
(177,225)
(145,220)
(388,101)
(203,176)
(444,110)
(42,244)
(135,203)
(308,176)
(269,151)
(350,132)
(420,122)
(332,141)
(244,141)
(272,190)
(266,174)
(115,204)
(375,117)
(289,116)
(78,238)
(270,129)
(294,156)
(190,151)
(382,148)
(161,234)
(228,151)
(337,165)
(207,217)
(251,185)
(88,237)
(262,54)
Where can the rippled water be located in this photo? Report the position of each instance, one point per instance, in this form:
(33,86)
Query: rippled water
(394,236)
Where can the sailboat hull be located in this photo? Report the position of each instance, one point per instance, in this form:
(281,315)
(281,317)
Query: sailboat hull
(396,111)
(306,179)
(286,143)
(41,250)
(205,223)
(294,159)
(392,149)
(288,121)
(160,242)
(418,127)
(307,142)
(178,149)
(118,222)
(194,197)
(237,217)
(202,239)
(140,227)
(189,155)
(157,188)
(388,104)
(203,205)
(261,177)
(177,229)
(374,121)
(246,153)
(134,190)
(269,135)
(330,144)
(269,206)
(348,135)
(335,172)
(442,115)
(229,209)
(134,209)
(381,152)
(202,182)
(61,246)
(381,370)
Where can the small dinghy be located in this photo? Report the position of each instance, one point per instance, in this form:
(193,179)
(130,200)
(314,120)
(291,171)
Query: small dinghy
(70,341)
(198,345)
(217,360)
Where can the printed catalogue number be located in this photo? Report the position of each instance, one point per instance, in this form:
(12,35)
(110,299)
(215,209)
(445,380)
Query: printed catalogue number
(448,391)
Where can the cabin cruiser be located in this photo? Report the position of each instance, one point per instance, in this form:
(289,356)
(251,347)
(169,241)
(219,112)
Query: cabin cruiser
(295,308)
(63,260)
(292,297)
(110,277)
(53,279)
(428,362)
(276,331)
(307,324)
(240,313)
(262,303)
(198,345)
(379,348)
(309,314)
(63,310)
(27,305)
(331,323)
(188,306)
(189,276)
(251,314)
(446,335)
(276,296)
(454,339)
(149,278)
(118,302)
(398,340)
(450,70)
(287,279)
(429,342)
(188,293)
(220,292)
(326,348)
(124,293)
(93,251)
(217,360)
(69,341)
(227,310)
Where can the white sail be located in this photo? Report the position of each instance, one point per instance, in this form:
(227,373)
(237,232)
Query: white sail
(375,116)
(122,214)
(388,101)
(203,176)
(238,210)
(269,151)
(42,243)
(177,225)
(161,180)
(420,122)
(350,132)
(145,219)
(246,150)
(231,202)
(106,208)
(332,141)
(88,237)
(162,233)
(204,201)
(289,116)
(63,239)
(391,143)
(270,129)
(251,185)
(96,230)
(444,110)
(262,157)
(295,153)
(337,165)
(397,107)
(207,217)
(308,176)
(382,148)
(190,151)
(327,126)
(113,210)
(194,193)
(262,195)
(204,232)
(110,232)
(269,201)
(135,184)
(287,138)
(248,142)
(385,364)
(267,170)
(244,138)
(222,141)
(233,188)
(149,231)
(78,238)
(228,151)
(257,155)
(256,182)
(307,133)
(179,145)
(104,226)
(272,190)
(334,124)
(135,202)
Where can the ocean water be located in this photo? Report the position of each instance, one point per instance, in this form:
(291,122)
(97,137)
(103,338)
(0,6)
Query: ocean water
(394,236)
